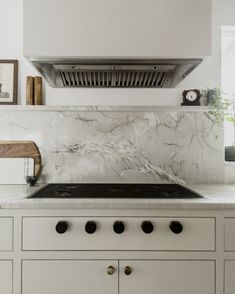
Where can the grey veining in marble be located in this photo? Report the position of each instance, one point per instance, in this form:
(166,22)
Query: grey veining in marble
(121,146)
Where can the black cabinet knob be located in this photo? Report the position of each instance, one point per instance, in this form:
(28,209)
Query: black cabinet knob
(147,227)
(61,227)
(176,227)
(118,227)
(90,227)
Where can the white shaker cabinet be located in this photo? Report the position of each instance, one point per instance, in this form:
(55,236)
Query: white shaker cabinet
(106,277)
(38,257)
(167,277)
(69,276)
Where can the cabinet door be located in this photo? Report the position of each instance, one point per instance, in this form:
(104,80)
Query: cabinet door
(167,277)
(229,235)
(229,282)
(6,232)
(6,276)
(69,276)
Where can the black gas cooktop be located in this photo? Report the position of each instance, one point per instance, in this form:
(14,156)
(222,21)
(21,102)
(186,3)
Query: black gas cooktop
(163,191)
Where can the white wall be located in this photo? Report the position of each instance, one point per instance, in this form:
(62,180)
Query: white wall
(11,40)
(206,75)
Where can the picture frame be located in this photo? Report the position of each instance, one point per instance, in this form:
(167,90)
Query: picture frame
(8,81)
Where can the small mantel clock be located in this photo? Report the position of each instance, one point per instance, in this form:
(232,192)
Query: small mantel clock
(191,97)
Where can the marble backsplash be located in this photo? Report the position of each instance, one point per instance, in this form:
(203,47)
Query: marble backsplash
(121,146)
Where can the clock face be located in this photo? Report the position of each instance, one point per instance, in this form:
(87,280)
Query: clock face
(191,96)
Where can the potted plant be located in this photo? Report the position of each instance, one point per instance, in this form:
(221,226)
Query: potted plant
(221,109)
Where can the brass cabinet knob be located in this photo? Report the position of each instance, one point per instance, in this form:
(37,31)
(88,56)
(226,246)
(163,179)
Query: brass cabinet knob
(127,270)
(110,270)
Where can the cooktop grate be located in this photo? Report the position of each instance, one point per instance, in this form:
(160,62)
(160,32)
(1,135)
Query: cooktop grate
(141,191)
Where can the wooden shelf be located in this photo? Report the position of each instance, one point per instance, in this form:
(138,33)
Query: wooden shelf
(104,108)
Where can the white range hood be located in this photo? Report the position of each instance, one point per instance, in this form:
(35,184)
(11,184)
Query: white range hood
(109,43)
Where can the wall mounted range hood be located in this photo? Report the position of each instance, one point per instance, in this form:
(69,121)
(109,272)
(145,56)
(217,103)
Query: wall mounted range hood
(115,73)
(109,43)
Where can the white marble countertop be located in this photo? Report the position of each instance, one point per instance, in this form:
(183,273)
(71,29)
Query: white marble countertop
(216,197)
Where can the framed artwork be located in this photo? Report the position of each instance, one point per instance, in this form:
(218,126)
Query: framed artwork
(8,81)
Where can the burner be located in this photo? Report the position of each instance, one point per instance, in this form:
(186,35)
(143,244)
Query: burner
(164,191)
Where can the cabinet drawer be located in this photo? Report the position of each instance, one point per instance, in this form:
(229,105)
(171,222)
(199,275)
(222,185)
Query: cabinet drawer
(39,234)
(229,241)
(6,232)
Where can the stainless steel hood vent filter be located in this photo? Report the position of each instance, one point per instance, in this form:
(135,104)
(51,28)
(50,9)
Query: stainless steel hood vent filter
(115,73)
